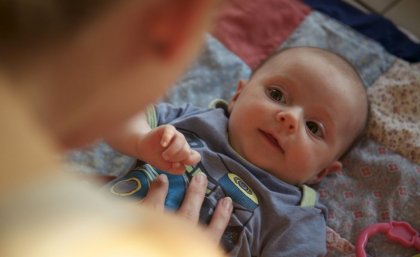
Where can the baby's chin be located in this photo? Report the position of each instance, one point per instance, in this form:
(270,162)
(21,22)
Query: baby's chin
(290,177)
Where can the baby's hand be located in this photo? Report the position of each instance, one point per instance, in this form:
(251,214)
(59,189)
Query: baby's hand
(177,150)
(167,149)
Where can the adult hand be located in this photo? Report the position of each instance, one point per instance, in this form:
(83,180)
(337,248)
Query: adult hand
(191,205)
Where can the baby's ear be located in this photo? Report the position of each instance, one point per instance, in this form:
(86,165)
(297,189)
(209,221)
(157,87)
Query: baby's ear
(239,87)
(174,24)
(335,166)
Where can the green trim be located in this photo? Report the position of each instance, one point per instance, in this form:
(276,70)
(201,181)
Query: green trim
(218,103)
(308,197)
(151,117)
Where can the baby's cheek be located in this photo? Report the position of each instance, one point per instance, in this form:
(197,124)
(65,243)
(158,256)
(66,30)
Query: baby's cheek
(306,158)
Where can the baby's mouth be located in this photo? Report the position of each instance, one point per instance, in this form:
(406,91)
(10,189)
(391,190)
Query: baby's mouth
(272,140)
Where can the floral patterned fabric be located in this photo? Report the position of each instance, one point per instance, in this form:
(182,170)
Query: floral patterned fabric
(395,109)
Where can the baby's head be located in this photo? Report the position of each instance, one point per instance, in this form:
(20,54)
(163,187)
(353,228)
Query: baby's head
(300,111)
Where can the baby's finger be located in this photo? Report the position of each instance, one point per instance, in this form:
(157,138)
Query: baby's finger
(182,155)
(177,168)
(169,132)
(193,158)
(178,143)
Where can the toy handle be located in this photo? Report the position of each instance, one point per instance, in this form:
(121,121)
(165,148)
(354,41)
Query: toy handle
(366,233)
(398,231)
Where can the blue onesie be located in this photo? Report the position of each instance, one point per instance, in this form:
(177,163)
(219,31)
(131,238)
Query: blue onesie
(270,217)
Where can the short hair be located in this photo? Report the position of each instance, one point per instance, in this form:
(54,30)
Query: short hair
(345,66)
(27,23)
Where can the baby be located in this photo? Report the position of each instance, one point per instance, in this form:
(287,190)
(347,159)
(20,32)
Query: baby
(285,128)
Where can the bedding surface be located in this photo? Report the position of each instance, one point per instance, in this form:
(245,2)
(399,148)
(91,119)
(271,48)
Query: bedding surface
(381,175)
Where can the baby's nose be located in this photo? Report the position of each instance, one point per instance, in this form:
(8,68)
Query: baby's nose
(289,120)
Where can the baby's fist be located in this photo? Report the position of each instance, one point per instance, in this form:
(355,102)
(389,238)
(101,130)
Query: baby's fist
(177,150)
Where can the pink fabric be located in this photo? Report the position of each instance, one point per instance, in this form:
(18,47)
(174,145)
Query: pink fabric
(337,244)
(252,29)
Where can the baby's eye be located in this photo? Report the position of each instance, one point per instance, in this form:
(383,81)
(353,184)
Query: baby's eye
(276,94)
(314,128)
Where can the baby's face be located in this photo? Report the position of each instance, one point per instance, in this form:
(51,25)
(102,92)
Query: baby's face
(295,116)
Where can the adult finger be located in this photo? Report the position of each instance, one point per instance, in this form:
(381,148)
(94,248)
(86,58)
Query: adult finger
(157,193)
(194,197)
(220,219)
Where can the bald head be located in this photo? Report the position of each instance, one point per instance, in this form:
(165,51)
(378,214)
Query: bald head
(337,66)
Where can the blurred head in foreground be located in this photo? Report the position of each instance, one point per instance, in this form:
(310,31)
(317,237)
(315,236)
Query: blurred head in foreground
(70,70)
(85,66)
